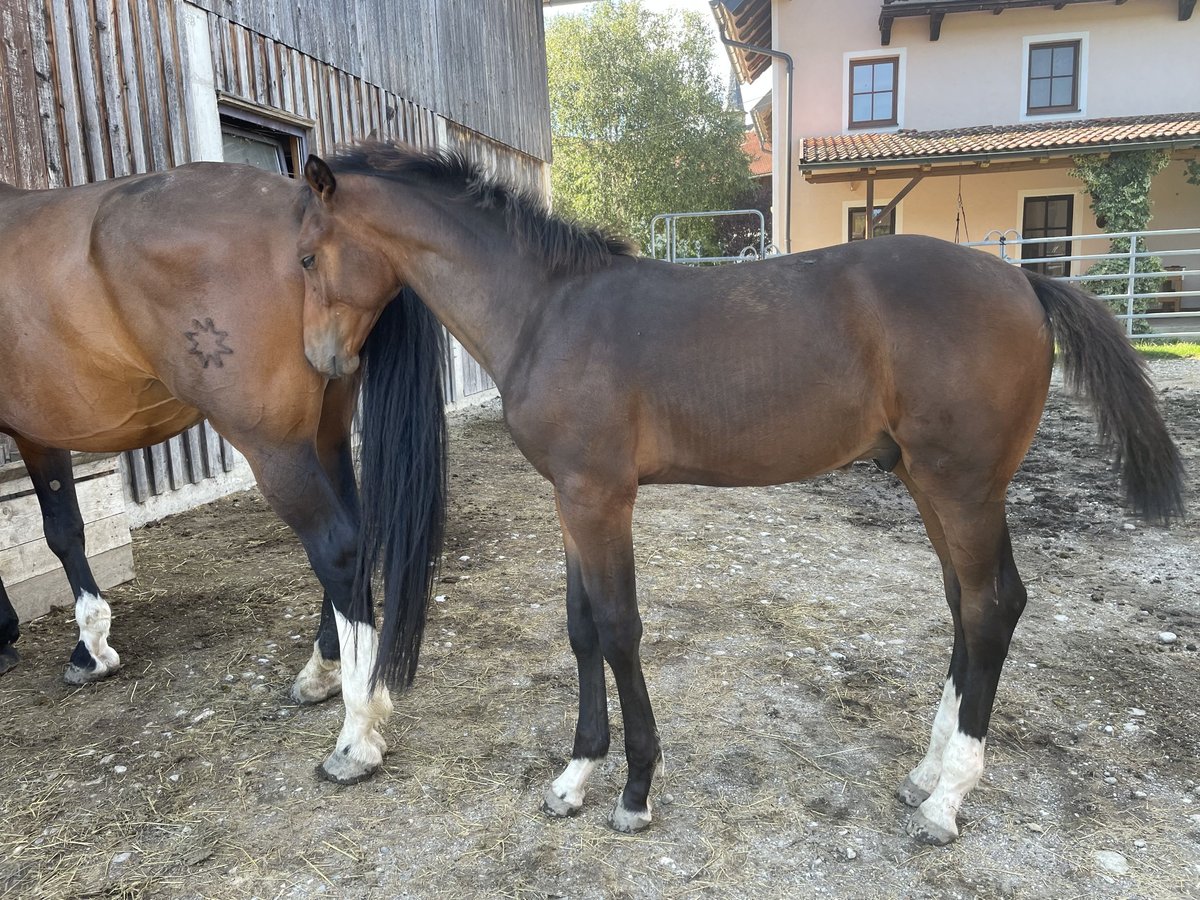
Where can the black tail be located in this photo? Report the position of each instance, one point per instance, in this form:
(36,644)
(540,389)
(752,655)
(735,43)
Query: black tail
(403,483)
(1101,365)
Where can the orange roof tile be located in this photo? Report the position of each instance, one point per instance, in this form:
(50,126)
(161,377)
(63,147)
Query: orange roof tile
(760,159)
(1031,139)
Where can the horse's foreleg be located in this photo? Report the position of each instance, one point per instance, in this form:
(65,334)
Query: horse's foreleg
(993,598)
(54,483)
(10,630)
(602,529)
(565,795)
(301,492)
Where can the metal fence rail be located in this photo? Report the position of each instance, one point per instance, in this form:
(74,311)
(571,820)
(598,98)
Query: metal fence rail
(669,237)
(1164,304)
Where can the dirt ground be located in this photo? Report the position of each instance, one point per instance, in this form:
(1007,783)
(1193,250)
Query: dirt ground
(795,643)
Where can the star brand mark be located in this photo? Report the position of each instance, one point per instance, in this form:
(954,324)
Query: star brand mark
(207,342)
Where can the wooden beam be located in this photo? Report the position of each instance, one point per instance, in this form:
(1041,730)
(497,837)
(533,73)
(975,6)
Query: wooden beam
(885,29)
(882,214)
(1185,9)
(870,207)
(935,25)
(1051,162)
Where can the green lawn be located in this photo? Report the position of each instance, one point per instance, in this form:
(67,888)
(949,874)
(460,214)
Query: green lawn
(1168,349)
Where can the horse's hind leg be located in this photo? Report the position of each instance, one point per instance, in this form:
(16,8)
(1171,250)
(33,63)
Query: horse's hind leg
(299,489)
(10,630)
(992,600)
(600,523)
(321,677)
(924,778)
(54,482)
(565,795)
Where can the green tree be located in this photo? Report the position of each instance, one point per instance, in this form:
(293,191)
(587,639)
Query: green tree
(637,119)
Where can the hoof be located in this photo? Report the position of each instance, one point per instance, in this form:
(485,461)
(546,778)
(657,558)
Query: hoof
(9,657)
(911,795)
(77,675)
(558,807)
(340,768)
(629,821)
(927,831)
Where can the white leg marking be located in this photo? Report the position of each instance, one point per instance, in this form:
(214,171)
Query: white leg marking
(962,767)
(566,793)
(320,678)
(360,746)
(94,617)
(925,776)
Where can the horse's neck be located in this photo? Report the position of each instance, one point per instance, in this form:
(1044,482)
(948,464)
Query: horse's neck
(484,296)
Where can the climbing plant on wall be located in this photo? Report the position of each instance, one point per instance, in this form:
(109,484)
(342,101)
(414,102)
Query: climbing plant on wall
(1119,185)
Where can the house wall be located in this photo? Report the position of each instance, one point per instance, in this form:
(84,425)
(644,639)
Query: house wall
(1139,59)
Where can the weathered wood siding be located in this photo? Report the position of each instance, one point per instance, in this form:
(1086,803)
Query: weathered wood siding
(480,63)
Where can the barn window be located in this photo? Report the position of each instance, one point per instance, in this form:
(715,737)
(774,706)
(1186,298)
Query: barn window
(263,137)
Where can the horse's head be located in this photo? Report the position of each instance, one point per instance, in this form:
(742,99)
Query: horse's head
(347,276)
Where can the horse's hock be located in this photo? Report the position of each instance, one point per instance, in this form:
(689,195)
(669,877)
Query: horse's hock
(31,573)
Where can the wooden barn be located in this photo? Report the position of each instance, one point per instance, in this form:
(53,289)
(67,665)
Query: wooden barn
(96,89)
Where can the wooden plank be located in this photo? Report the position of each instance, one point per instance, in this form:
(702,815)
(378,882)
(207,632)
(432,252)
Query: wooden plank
(212,450)
(34,558)
(83,30)
(131,86)
(25,141)
(109,61)
(160,469)
(177,460)
(35,597)
(173,86)
(150,76)
(195,456)
(47,104)
(136,477)
(76,169)
(21,516)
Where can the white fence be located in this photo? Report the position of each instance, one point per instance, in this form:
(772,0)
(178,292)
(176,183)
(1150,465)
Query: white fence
(1165,294)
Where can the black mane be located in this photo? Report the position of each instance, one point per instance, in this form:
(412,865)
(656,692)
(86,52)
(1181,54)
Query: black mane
(565,246)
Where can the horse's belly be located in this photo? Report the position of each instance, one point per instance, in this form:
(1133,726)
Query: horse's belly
(132,413)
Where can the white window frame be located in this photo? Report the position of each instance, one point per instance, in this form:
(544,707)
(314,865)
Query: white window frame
(901,55)
(1081,88)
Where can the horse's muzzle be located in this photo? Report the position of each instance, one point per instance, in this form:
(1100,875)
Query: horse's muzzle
(331,365)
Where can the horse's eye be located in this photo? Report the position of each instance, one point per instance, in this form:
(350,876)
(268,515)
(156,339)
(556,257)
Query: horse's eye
(309,261)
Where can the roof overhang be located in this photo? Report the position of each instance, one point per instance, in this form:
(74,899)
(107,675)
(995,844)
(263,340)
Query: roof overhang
(854,156)
(936,10)
(747,22)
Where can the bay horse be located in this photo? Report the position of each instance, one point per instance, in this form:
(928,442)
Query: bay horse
(132,308)
(932,360)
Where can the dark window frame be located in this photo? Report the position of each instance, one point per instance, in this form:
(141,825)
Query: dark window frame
(888,223)
(291,134)
(894,120)
(1031,253)
(1077,46)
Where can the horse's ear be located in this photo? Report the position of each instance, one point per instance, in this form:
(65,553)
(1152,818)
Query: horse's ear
(320,177)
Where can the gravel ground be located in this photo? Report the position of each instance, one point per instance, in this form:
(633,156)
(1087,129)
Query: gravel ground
(795,642)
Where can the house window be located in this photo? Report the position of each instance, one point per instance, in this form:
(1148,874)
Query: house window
(856,223)
(874,92)
(1047,217)
(1053,78)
